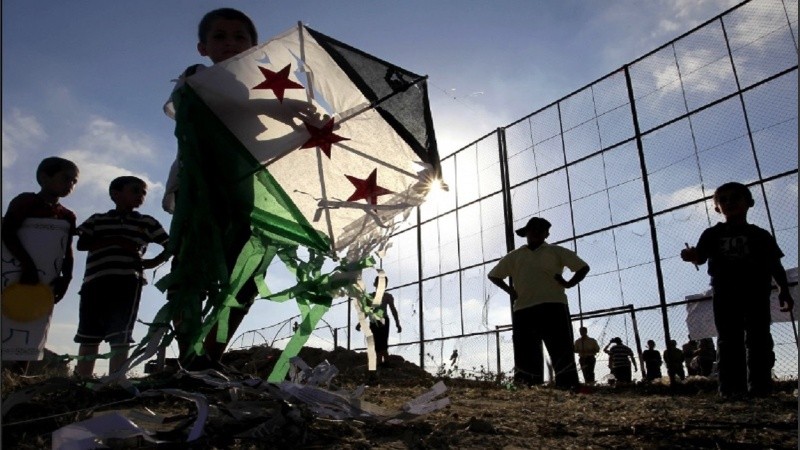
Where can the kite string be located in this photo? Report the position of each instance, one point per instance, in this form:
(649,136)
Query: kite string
(454,98)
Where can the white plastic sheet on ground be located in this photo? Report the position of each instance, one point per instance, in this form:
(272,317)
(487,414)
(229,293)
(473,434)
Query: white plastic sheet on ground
(305,387)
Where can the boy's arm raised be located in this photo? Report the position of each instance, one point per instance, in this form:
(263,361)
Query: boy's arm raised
(692,255)
(697,255)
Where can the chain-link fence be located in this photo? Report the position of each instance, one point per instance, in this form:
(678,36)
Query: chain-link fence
(624,169)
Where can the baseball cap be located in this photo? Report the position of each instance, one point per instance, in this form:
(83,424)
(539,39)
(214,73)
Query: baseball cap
(535,223)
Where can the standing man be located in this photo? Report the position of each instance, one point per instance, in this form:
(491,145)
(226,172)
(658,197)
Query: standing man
(587,348)
(540,309)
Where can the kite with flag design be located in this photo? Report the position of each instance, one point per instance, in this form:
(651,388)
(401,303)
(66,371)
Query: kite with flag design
(301,141)
(303,93)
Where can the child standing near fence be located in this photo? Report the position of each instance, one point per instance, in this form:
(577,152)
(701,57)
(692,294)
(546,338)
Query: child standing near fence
(743,259)
(116,241)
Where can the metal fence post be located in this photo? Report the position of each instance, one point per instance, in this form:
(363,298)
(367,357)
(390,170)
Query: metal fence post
(497,341)
(335,338)
(419,291)
(638,341)
(349,320)
(508,213)
(662,296)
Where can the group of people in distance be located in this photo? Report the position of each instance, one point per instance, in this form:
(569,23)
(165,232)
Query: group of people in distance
(743,260)
(699,358)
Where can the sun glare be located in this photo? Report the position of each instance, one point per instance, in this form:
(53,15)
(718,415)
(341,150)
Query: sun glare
(437,192)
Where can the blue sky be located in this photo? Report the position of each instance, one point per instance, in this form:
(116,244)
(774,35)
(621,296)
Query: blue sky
(87,80)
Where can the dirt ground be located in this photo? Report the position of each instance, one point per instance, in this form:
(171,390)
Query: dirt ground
(481,414)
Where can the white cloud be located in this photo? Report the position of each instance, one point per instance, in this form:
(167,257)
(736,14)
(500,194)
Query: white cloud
(666,26)
(112,142)
(21,132)
(679,196)
(689,14)
(105,151)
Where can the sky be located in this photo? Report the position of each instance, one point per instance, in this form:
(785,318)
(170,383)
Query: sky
(87,81)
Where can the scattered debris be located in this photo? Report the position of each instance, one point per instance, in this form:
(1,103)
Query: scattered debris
(332,405)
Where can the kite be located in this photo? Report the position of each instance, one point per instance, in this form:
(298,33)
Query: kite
(306,142)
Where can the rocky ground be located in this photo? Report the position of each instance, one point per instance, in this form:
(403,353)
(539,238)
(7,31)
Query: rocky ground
(481,414)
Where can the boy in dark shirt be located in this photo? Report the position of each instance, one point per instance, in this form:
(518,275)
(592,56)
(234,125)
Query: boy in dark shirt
(743,259)
(673,358)
(57,178)
(652,361)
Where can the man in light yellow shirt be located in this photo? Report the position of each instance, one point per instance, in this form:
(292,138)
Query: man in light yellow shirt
(587,348)
(541,313)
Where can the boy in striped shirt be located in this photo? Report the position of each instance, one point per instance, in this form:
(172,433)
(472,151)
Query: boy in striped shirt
(116,241)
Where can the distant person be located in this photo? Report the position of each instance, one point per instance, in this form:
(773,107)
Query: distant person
(380,330)
(743,259)
(56,178)
(651,360)
(688,350)
(587,348)
(541,312)
(112,285)
(620,358)
(705,357)
(673,359)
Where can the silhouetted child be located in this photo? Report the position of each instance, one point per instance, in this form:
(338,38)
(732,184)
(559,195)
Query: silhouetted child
(673,358)
(116,241)
(652,361)
(56,177)
(743,259)
(620,358)
(222,34)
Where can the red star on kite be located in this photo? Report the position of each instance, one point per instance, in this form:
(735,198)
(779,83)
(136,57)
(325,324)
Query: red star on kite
(322,137)
(277,82)
(367,189)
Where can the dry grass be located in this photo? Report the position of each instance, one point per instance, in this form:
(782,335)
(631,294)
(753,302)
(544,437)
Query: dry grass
(481,414)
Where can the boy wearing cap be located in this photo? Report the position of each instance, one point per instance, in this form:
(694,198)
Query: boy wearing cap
(540,308)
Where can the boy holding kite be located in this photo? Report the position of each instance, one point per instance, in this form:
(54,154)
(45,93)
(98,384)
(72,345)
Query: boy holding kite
(222,33)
